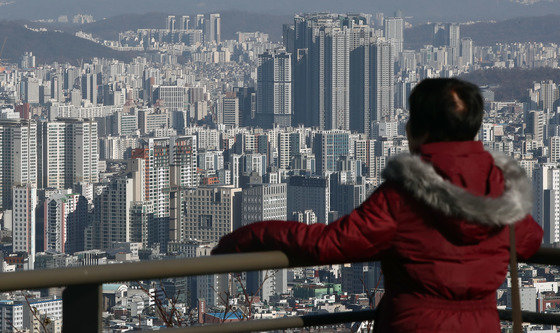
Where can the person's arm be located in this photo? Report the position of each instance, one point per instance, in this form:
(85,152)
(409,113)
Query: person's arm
(362,234)
(528,237)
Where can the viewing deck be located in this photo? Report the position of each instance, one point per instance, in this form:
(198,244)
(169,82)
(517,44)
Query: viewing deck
(82,304)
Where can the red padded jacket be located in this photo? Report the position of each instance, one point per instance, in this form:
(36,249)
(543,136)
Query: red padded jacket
(439,224)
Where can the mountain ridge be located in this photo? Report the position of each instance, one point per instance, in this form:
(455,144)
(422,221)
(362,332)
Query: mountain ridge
(51,46)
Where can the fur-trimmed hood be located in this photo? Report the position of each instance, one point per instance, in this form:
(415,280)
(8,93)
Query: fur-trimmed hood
(421,180)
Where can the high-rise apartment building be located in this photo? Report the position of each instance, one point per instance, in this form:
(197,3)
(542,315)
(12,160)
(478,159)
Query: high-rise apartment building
(228,110)
(274,89)
(30,93)
(86,152)
(321,72)
(60,213)
(549,95)
(213,29)
(382,81)
(554,146)
(112,212)
(171,22)
(546,209)
(247,105)
(23,220)
(18,157)
(394,33)
(184,22)
(170,166)
(449,35)
(535,122)
(289,146)
(68,153)
(89,87)
(343,73)
(467,51)
(328,147)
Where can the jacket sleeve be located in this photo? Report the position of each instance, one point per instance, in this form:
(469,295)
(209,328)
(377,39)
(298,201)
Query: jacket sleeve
(528,237)
(360,235)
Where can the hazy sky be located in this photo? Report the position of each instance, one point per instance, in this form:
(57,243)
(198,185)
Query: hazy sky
(421,10)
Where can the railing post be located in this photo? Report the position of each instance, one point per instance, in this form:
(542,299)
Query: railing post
(82,308)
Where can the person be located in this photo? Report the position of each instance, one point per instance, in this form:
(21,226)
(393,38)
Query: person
(439,223)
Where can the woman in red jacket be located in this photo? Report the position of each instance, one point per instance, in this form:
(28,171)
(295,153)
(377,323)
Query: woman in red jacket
(439,223)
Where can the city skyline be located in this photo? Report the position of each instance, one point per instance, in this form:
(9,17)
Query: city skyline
(197,134)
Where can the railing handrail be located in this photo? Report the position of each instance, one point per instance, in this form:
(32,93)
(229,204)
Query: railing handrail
(159,269)
(83,285)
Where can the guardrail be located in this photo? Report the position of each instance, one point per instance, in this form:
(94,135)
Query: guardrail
(82,305)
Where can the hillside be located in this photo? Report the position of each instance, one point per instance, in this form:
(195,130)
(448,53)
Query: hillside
(544,29)
(51,46)
(421,11)
(512,84)
(232,22)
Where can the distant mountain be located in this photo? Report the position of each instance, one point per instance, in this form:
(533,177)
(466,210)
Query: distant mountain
(51,46)
(512,84)
(456,10)
(232,22)
(109,28)
(523,29)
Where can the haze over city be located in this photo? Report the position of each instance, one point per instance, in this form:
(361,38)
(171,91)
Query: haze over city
(135,131)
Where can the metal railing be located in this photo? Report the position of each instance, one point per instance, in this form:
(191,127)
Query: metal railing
(82,303)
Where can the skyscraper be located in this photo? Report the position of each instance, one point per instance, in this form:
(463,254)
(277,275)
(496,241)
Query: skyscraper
(394,33)
(23,232)
(360,99)
(171,23)
(228,110)
(467,51)
(89,88)
(274,89)
(549,95)
(321,69)
(60,212)
(343,72)
(247,105)
(200,22)
(382,80)
(18,157)
(449,35)
(184,23)
(30,87)
(112,220)
(213,29)
(170,166)
(86,153)
(68,153)
(546,209)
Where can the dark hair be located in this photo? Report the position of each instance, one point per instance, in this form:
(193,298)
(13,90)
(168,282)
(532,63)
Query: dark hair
(446,110)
